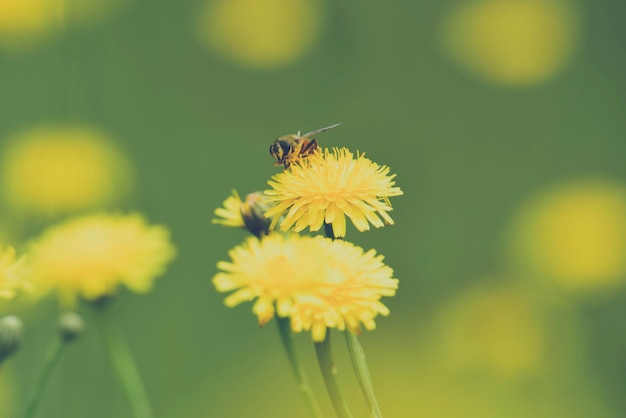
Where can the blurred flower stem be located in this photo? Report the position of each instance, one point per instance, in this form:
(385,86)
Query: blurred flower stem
(357,356)
(329,372)
(123,362)
(50,360)
(359,363)
(287,339)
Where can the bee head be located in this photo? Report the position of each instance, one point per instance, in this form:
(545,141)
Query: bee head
(279,149)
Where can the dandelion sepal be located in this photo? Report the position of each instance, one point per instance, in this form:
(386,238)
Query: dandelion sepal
(287,339)
(10,336)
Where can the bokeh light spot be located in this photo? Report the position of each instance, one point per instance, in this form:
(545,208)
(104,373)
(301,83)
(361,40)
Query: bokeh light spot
(512,42)
(25,23)
(574,234)
(53,171)
(496,330)
(261,33)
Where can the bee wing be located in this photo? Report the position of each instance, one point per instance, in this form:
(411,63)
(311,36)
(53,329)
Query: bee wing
(309,134)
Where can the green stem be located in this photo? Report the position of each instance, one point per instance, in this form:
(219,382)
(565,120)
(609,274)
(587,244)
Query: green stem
(359,363)
(329,371)
(287,339)
(124,365)
(357,355)
(50,359)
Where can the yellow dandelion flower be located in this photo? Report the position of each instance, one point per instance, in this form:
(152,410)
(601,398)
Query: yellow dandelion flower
(91,256)
(248,214)
(13,273)
(512,42)
(317,282)
(230,213)
(62,170)
(261,33)
(327,186)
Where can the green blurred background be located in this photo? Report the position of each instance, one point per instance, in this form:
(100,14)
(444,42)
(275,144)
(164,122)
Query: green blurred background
(504,121)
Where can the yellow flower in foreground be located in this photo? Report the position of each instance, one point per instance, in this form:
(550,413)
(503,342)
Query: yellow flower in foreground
(12,273)
(327,186)
(91,256)
(65,169)
(317,282)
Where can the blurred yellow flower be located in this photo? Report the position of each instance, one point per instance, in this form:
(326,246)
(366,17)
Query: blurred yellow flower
(54,171)
(24,23)
(575,234)
(13,273)
(327,186)
(494,329)
(261,33)
(317,282)
(512,42)
(91,256)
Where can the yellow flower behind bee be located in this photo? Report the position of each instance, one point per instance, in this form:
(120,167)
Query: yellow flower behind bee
(91,256)
(317,282)
(13,273)
(328,186)
(261,33)
(512,42)
(56,171)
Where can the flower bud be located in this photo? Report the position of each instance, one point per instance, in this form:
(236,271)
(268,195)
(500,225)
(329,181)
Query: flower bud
(252,211)
(10,336)
(71,326)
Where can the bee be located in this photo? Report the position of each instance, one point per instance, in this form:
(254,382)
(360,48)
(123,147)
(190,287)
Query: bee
(289,148)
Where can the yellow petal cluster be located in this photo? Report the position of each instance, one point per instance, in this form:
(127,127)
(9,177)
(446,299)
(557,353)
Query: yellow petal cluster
(328,186)
(230,213)
(317,282)
(91,256)
(248,214)
(13,273)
